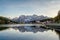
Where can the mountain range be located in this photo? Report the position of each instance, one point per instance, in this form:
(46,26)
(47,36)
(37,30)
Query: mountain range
(24,19)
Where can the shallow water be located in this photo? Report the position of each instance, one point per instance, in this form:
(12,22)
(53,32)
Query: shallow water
(28,33)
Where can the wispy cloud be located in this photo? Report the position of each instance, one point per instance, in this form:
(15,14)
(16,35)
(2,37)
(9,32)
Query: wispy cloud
(29,7)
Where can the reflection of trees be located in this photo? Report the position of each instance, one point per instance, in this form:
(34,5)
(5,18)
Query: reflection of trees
(33,29)
(58,33)
(3,28)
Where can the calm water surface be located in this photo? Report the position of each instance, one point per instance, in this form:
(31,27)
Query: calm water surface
(28,33)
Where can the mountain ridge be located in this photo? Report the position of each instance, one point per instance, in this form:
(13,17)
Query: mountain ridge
(24,19)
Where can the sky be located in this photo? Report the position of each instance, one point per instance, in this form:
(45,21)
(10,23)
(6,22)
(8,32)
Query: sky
(15,8)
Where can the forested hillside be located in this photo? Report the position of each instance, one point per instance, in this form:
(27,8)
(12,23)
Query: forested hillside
(4,20)
(57,18)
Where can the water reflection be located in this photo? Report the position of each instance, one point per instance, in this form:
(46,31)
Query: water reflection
(33,29)
(58,33)
(3,28)
(25,33)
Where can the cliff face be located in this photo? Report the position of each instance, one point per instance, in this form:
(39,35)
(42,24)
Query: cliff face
(28,19)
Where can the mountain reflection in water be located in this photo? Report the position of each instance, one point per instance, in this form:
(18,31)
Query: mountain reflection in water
(39,33)
(33,29)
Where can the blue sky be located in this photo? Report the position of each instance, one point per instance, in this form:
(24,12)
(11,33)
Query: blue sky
(15,8)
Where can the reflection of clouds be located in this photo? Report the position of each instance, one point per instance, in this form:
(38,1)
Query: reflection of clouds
(33,29)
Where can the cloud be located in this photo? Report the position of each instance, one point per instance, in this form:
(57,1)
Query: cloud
(29,7)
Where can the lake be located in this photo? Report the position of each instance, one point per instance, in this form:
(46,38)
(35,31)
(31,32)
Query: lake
(28,33)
